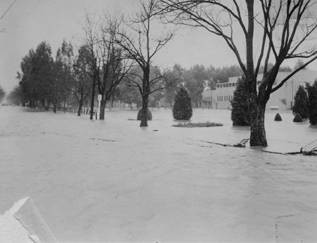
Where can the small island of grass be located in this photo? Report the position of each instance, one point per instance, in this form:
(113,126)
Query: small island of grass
(198,124)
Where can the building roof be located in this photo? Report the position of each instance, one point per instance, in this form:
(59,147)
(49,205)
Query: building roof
(302,76)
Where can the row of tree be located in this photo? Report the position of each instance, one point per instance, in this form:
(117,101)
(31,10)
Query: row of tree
(46,81)
(67,80)
(116,50)
(305,104)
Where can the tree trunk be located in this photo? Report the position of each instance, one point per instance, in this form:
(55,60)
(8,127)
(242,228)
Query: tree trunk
(145,101)
(102,109)
(31,103)
(43,103)
(54,108)
(112,100)
(257,119)
(92,99)
(145,94)
(80,105)
(46,105)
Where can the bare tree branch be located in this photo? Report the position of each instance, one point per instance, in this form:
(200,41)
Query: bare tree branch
(139,45)
(292,74)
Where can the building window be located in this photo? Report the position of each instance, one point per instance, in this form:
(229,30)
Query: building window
(219,98)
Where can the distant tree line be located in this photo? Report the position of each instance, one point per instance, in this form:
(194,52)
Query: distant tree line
(195,79)
(2,94)
(66,81)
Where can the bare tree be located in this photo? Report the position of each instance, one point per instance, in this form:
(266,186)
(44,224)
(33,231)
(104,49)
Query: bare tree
(139,46)
(135,81)
(109,66)
(91,42)
(113,65)
(285,28)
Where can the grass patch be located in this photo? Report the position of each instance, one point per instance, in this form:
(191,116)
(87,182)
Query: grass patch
(198,124)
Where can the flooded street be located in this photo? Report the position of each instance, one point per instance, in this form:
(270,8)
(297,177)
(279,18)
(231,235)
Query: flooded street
(113,181)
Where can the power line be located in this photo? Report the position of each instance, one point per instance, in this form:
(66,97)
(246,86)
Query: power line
(8,9)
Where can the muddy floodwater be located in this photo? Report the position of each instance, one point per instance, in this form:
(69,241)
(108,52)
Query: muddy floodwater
(113,181)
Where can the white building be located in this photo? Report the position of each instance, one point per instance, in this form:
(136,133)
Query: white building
(281,99)
(207,96)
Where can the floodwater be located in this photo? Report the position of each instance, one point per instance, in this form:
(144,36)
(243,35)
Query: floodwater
(113,181)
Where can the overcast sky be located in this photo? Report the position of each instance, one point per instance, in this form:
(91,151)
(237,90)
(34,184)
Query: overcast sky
(31,21)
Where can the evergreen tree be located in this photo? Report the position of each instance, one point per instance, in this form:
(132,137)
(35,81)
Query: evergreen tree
(182,109)
(301,103)
(82,78)
(297,118)
(37,76)
(240,106)
(277,117)
(312,102)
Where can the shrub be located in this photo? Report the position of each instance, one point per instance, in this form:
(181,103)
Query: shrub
(312,103)
(301,103)
(278,117)
(149,115)
(297,118)
(182,109)
(240,106)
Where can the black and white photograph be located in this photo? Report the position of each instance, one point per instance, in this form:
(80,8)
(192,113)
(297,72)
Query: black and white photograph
(159,121)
